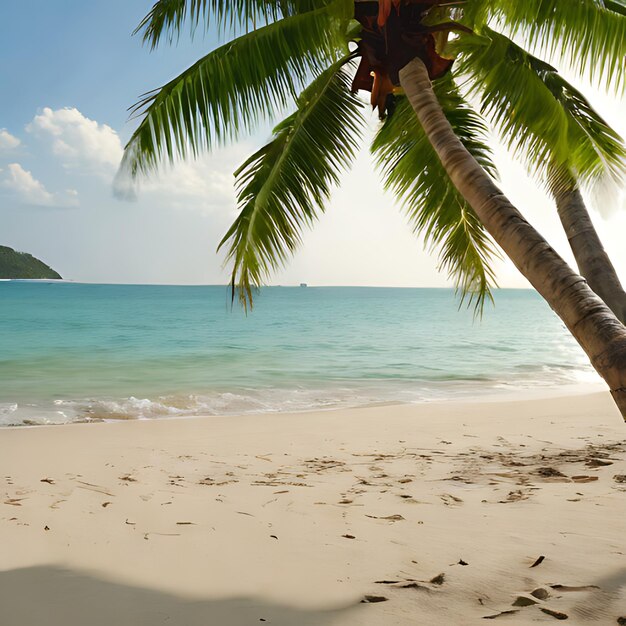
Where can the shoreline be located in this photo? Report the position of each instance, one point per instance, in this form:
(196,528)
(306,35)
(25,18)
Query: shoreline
(482,395)
(293,518)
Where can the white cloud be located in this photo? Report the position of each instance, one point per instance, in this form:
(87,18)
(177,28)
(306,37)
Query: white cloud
(7,140)
(26,186)
(78,141)
(32,191)
(88,147)
(205,184)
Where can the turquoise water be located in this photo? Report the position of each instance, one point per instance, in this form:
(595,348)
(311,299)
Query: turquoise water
(76,351)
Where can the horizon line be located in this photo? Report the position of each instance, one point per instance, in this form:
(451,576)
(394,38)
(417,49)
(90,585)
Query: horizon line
(227,285)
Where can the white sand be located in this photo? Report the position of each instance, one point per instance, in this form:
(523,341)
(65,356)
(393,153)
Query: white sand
(236,521)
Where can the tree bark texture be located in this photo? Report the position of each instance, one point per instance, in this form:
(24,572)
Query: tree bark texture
(591,322)
(593,262)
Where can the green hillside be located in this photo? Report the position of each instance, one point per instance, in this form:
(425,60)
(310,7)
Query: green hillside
(22,265)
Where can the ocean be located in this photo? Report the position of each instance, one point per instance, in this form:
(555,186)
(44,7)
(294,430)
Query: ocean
(81,352)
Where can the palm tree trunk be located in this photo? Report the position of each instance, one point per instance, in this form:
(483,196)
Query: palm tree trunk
(590,321)
(592,260)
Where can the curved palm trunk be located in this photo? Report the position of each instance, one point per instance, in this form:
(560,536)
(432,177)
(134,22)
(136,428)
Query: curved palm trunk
(592,260)
(589,320)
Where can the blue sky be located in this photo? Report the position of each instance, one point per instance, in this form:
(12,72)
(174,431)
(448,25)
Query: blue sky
(69,53)
(69,70)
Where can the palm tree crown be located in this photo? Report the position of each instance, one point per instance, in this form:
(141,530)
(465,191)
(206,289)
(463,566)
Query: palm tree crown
(303,54)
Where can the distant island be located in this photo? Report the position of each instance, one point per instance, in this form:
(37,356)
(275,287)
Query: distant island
(22,265)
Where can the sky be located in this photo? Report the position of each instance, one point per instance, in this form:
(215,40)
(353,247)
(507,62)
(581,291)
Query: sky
(70,69)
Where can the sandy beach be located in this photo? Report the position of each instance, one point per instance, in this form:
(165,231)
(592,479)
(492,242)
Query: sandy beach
(441,513)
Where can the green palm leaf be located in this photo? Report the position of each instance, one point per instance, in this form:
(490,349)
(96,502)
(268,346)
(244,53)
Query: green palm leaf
(619,6)
(537,112)
(167,18)
(588,34)
(232,88)
(412,170)
(597,152)
(282,187)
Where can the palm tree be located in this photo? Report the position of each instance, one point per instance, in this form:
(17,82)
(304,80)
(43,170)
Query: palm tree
(563,139)
(432,149)
(591,257)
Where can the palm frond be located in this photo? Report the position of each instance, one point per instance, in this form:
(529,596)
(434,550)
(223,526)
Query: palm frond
(588,34)
(537,112)
(283,186)
(619,6)
(167,18)
(232,88)
(597,152)
(413,172)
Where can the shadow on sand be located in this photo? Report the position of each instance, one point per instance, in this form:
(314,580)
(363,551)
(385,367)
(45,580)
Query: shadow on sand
(52,596)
